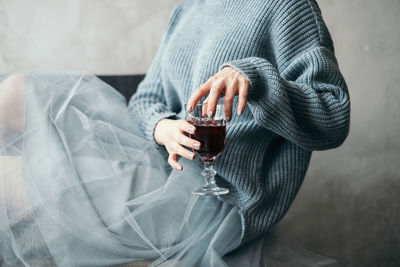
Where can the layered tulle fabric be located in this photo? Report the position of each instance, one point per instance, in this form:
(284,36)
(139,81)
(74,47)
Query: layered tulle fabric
(80,186)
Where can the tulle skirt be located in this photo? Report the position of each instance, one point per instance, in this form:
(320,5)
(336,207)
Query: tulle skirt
(80,186)
(88,190)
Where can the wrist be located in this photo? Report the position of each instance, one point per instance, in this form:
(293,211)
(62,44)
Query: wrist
(158,132)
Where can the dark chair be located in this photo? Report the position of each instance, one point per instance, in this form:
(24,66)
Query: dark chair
(125,84)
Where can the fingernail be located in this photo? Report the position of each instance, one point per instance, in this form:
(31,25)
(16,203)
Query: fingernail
(210,113)
(189,108)
(191,130)
(228,118)
(196,145)
(179,168)
(191,156)
(240,112)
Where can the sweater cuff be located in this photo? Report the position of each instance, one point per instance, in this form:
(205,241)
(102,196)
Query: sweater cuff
(246,67)
(250,67)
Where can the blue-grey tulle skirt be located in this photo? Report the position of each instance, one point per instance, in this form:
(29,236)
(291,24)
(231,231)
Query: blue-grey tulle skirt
(80,186)
(94,192)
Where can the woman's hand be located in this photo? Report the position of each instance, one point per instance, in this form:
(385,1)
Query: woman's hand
(170,133)
(227,83)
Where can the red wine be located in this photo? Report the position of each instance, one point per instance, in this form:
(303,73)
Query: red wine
(212,139)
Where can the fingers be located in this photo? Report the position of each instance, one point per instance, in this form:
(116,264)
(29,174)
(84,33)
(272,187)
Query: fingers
(185,126)
(204,107)
(228,103)
(183,152)
(227,83)
(198,94)
(182,139)
(177,141)
(175,151)
(244,86)
(188,142)
(215,93)
(172,160)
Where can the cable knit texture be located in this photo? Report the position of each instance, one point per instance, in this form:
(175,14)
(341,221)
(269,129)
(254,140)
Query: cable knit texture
(298,100)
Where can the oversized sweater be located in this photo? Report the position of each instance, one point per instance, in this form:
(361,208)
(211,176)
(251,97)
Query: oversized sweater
(298,100)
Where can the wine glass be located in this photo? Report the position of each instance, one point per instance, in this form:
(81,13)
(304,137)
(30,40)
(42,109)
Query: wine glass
(210,132)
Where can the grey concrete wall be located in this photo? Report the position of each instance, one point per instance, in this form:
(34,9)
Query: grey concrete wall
(100,36)
(349,205)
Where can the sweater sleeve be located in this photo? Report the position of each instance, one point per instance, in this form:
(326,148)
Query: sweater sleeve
(148,104)
(308,103)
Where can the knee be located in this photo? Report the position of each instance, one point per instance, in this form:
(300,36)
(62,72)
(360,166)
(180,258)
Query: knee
(14,82)
(12,101)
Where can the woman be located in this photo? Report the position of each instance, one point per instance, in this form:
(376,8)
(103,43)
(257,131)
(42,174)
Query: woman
(93,187)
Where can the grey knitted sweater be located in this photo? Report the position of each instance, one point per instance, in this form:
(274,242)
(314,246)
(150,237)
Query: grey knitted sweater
(298,100)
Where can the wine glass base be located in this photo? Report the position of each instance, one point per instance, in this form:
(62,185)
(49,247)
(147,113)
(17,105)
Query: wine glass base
(211,191)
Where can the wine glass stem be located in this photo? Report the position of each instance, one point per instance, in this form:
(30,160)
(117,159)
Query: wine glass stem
(209,172)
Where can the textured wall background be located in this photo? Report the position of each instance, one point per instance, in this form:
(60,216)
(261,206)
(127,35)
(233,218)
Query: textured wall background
(349,205)
(101,36)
